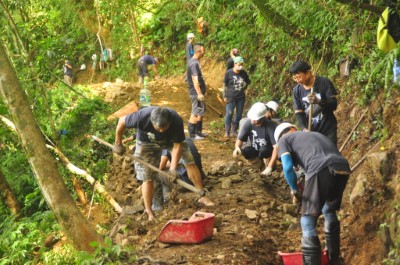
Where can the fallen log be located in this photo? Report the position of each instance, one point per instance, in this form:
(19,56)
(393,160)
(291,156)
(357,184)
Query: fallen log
(74,169)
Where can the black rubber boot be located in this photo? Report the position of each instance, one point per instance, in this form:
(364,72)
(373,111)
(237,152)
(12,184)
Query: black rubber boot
(192,130)
(311,248)
(200,129)
(332,239)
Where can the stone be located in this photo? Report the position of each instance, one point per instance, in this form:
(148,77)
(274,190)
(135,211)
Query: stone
(226,183)
(251,214)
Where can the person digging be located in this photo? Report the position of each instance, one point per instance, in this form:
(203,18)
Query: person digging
(158,128)
(260,133)
(327,173)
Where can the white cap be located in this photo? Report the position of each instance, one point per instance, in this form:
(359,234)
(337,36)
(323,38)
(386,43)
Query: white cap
(190,35)
(281,127)
(272,105)
(83,66)
(257,111)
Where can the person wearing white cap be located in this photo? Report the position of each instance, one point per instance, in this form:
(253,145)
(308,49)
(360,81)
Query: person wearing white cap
(189,47)
(260,131)
(327,173)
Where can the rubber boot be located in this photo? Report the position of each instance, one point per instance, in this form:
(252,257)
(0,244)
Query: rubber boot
(192,130)
(332,239)
(311,248)
(200,130)
(234,130)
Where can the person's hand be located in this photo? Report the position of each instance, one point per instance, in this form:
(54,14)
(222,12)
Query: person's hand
(267,171)
(312,98)
(200,97)
(236,152)
(119,149)
(173,175)
(226,100)
(296,197)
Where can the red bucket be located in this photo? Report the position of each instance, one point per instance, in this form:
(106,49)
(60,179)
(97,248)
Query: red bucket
(296,258)
(197,229)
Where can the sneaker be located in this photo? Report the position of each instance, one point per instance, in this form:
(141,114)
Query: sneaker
(198,137)
(204,135)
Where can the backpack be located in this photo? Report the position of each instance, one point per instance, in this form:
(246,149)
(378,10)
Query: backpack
(388,34)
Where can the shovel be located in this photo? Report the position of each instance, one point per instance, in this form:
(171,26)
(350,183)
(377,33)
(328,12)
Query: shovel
(159,171)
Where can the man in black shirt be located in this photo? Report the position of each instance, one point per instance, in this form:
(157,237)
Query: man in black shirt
(197,91)
(157,129)
(323,100)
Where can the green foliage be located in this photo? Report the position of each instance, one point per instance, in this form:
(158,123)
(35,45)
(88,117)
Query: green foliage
(20,238)
(109,254)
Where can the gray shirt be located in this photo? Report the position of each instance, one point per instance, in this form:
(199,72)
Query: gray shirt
(312,151)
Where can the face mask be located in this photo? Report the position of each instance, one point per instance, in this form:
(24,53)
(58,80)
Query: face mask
(239,67)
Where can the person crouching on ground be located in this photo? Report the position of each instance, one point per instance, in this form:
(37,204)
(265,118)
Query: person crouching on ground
(327,173)
(157,129)
(260,131)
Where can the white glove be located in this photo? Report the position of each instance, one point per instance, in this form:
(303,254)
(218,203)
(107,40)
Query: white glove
(296,197)
(236,152)
(267,171)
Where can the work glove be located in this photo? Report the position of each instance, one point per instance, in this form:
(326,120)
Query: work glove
(200,97)
(119,149)
(296,197)
(237,152)
(173,175)
(267,171)
(312,98)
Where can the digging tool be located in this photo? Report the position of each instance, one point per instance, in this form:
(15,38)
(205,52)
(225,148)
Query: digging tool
(217,111)
(351,133)
(159,171)
(364,157)
(310,114)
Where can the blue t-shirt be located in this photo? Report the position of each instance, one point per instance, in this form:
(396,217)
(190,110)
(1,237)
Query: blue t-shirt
(146,132)
(189,51)
(148,59)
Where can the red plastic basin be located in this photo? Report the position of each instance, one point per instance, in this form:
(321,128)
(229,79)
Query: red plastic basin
(296,258)
(197,229)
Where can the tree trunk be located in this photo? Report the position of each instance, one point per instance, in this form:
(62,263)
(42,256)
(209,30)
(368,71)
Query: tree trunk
(7,195)
(277,20)
(57,196)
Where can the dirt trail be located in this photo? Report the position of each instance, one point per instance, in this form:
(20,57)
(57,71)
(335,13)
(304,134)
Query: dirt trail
(254,215)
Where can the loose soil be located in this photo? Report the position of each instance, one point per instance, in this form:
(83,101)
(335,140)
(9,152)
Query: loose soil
(254,215)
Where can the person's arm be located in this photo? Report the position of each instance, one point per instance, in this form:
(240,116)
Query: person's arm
(274,157)
(119,132)
(176,154)
(196,85)
(288,171)
(155,71)
(163,162)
